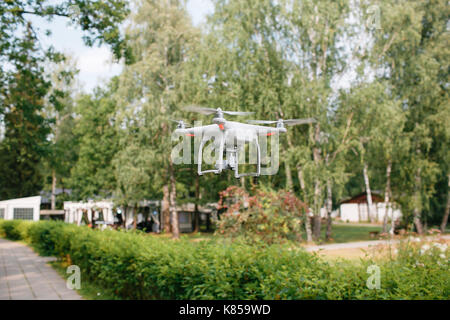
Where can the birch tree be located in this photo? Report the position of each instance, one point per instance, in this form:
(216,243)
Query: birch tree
(60,107)
(92,176)
(314,30)
(410,51)
(161,38)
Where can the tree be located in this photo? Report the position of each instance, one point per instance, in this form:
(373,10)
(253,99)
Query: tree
(378,124)
(93,174)
(277,59)
(133,175)
(315,29)
(151,89)
(410,52)
(24,143)
(59,107)
(24,82)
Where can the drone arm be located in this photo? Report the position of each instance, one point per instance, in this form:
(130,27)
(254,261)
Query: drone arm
(269,131)
(188,132)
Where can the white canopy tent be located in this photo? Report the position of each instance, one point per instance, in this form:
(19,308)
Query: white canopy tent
(74,211)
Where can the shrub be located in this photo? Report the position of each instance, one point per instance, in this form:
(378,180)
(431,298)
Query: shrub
(136,266)
(14,229)
(268,216)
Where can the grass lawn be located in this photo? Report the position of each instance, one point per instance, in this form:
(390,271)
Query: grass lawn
(340,233)
(348,233)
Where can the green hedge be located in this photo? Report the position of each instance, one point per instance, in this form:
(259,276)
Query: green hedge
(136,266)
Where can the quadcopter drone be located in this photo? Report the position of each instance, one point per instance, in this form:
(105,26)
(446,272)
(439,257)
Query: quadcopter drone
(227,136)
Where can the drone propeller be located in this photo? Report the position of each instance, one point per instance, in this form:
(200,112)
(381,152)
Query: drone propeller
(181,123)
(289,122)
(208,111)
(293,122)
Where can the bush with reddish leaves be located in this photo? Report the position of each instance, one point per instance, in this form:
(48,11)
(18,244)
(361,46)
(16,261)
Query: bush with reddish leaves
(266,216)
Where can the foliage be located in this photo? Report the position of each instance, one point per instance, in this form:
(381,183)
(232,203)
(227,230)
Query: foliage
(14,230)
(135,266)
(410,52)
(63,149)
(279,59)
(25,87)
(93,173)
(416,267)
(25,128)
(149,93)
(267,216)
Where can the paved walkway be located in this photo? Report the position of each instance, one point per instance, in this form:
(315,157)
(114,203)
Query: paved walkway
(359,244)
(24,275)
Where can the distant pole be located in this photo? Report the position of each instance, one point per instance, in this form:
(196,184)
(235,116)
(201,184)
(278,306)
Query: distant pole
(368,192)
(53,197)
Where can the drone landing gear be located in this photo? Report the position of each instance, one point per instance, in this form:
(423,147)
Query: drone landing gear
(231,162)
(219,165)
(234,154)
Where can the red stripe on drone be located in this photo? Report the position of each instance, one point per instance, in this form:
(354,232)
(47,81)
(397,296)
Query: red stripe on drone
(221,126)
(190,134)
(271,133)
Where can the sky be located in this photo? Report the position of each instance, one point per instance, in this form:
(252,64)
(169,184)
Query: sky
(95,63)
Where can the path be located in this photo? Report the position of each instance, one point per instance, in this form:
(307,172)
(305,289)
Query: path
(24,275)
(357,245)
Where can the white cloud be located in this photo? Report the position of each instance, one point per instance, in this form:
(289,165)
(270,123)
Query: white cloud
(96,65)
(198,9)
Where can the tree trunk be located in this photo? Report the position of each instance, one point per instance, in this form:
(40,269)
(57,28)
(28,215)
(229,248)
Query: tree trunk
(124,222)
(329,209)
(317,186)
(417,203)
(392,230)
(368,192)
(317,222)
(447,208)
(53,197)
(173,205)
(387,193)
(301,180)
(135,217)
(85,217)
(289,183)
(307,220)
(316,228)
(242,183)
(197,199)
(165,208)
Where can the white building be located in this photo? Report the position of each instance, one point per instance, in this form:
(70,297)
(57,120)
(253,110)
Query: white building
(21,208)
(324,213)
(356,209)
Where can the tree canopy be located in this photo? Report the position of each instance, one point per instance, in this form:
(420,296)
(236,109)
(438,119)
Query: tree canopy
(373,74)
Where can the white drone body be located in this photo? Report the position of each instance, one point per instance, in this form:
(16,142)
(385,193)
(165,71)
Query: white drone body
(227,136)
